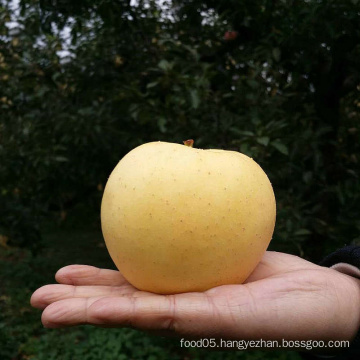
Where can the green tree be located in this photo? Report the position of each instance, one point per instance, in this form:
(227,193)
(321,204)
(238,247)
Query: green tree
(278,80)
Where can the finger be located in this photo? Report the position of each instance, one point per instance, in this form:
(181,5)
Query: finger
(151,312)
(89,275)
(274,263)
(68,312)
(190,315)
(48,294)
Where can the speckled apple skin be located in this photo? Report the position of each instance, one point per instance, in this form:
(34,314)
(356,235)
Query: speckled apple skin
(179,219)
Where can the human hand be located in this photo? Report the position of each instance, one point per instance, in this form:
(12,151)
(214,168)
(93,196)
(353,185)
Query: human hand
(285,297)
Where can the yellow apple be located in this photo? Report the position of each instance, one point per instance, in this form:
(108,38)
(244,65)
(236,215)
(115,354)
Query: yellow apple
(178,219)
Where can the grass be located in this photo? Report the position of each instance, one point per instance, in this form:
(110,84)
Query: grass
(22,335)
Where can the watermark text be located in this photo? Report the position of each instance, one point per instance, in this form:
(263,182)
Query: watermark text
(212,343)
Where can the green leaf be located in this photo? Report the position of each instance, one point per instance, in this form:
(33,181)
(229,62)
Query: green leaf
(264,140)
(55,76)
(236,131)
(307,176)
(302,232)
(162,124)
(165,65)
(195,101)
(280,147)
(134,111)
(61,159)
(152,84)
(276,54)
(85,111)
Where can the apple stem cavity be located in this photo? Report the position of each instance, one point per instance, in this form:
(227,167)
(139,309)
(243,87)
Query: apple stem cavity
(189,143)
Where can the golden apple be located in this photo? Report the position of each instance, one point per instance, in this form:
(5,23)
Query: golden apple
(178,219)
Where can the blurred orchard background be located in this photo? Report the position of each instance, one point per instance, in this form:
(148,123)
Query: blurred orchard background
(83,82)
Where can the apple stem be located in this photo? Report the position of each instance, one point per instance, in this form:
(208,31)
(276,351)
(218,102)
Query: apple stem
(189,143)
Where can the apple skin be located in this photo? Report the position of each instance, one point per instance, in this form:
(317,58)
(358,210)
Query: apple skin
(179,219)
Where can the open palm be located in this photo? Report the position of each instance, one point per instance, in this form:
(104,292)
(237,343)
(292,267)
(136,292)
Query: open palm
(285,297)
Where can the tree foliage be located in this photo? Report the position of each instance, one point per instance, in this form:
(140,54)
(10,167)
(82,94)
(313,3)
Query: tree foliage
(83,82)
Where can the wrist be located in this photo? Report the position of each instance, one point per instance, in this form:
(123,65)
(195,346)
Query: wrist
(354,308)
(345,263)
(351,312)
